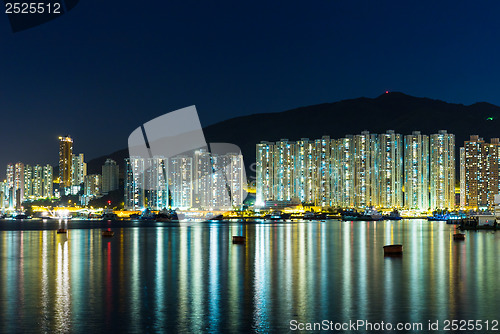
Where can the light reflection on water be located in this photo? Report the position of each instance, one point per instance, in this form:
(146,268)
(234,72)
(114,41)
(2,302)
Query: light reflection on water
(192,278)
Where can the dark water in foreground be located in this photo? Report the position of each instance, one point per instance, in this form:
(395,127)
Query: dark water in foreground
(192,279)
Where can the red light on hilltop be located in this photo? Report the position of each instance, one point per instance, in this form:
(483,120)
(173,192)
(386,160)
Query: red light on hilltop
(387,92)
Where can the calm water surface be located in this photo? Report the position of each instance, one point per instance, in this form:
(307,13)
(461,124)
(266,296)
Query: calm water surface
(191,279)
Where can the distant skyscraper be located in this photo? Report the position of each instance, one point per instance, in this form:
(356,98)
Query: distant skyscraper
(305,170)
(37,181)
(18,184)
(110,172)
(134,183)
(92,185)
(3,188)
(323,171)
(442,170)
(390,162)
(366,169)
(156,183)
(264,173)
(28,181)
(345,184)
(235,178)
(47,182)
(180,171)
(416,171)
(219,187)
(78,169)
(65,161)
(202,177)
(479,172)
(283,170)
(10,175)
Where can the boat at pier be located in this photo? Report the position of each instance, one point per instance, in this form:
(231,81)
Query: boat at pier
(393,215)
(368,215)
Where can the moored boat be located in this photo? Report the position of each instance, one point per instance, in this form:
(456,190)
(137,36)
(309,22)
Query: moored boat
(238,239)
(371,214)
(438,217)
(108,214)
(350,215)
(393,249)
(393,215)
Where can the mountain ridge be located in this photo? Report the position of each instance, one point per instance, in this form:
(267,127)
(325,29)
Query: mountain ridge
(390,111)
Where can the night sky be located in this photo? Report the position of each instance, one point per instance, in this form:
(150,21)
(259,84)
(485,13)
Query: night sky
(106,67)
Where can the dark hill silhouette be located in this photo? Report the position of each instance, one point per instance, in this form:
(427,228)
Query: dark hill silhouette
(395,111)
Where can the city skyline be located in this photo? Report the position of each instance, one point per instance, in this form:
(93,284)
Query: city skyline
(386,170)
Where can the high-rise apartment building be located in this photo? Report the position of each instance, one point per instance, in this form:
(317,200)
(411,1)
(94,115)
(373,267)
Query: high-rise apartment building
(78,169)
(28,181)
(3,198)
(390,170)
(37,182)
(235,179)
(48,181)
(264,173)
(18,191)
(9,186)
(110,176)
(344,186)
(366,169)
(156,183)
(416,171)
(442,170)
(65,161)
(283,170)
(180,171)
(323,171)
(202,177)
(304,171)
(479,172)
(92,186)
(134,183)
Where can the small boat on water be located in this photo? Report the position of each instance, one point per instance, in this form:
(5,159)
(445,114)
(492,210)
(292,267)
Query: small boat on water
(21,216)
(238,239)
(109,214)
(438,217)
(168,216)
(393,249)
(458,236)
(309,215)
(278,216)
(62,230)
(393,215)
(134,216)
(315,215)
(108,233)
(370,214)
(350,215)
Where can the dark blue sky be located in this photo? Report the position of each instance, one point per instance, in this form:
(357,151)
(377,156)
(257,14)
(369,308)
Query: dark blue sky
(106,67)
